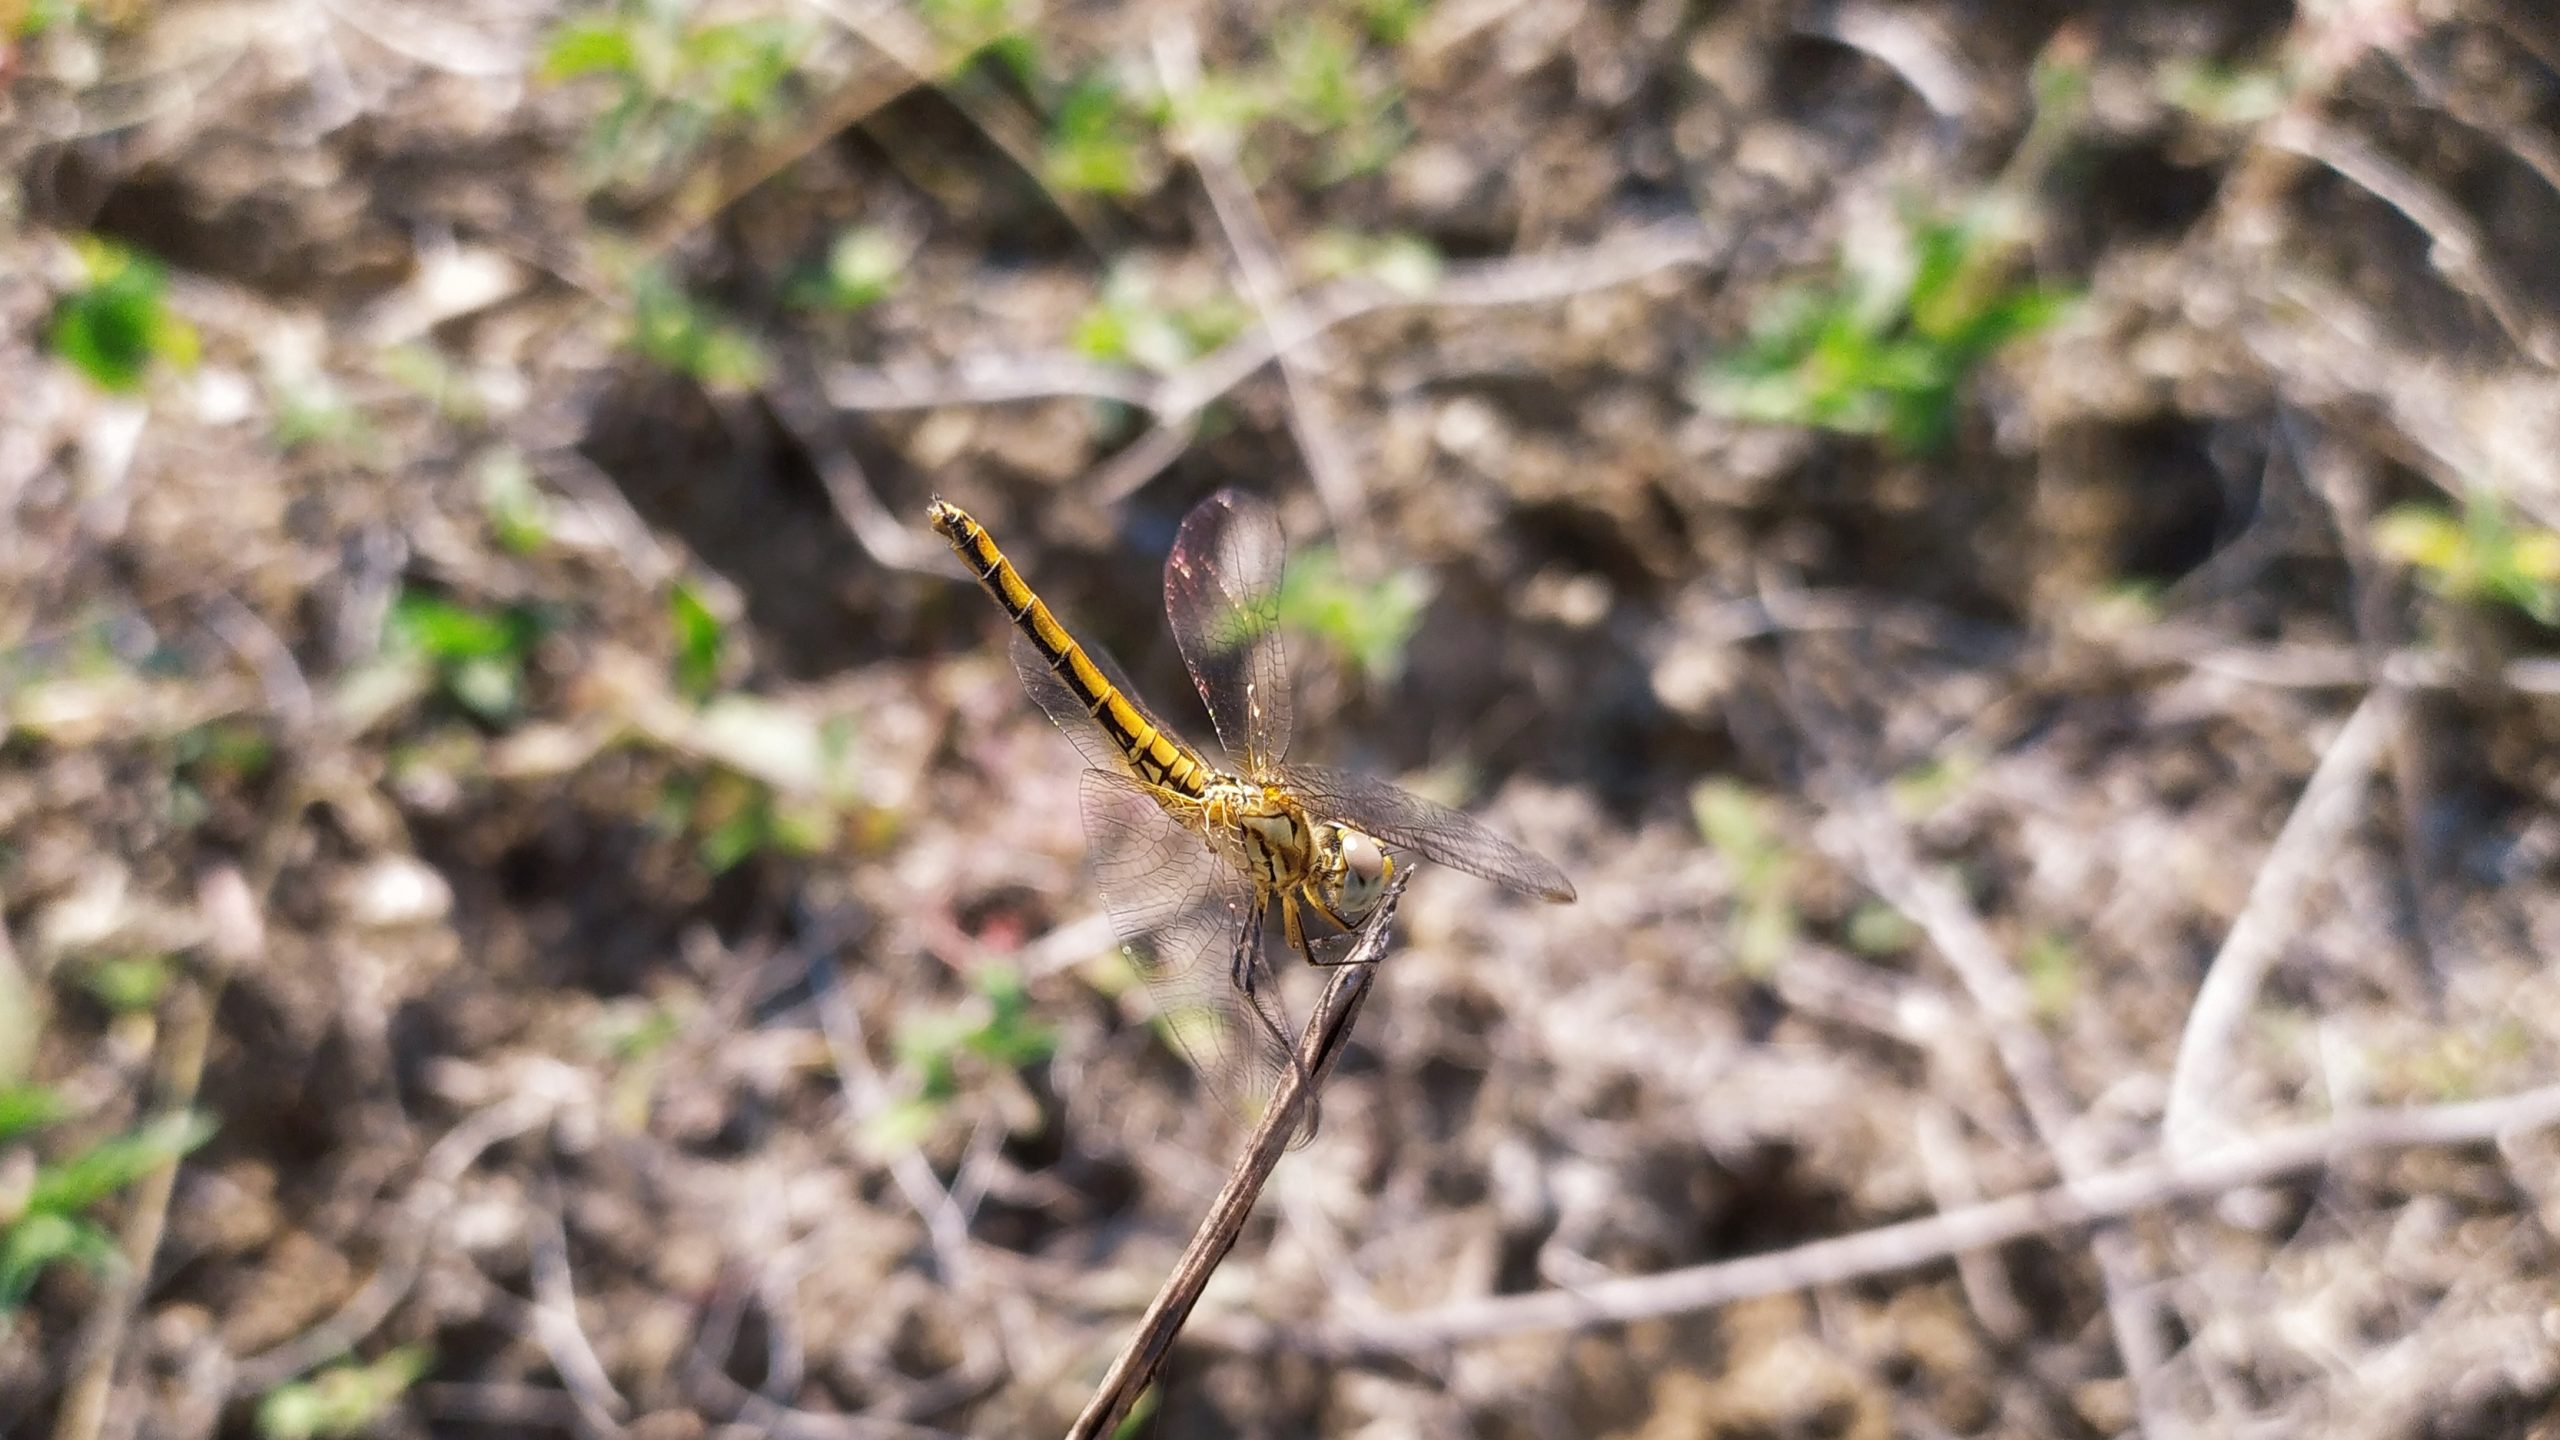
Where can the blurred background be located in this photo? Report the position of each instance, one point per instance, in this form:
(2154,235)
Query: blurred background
(2008,549)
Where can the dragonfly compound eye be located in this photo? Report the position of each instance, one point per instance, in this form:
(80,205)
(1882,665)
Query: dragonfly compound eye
(1363,874)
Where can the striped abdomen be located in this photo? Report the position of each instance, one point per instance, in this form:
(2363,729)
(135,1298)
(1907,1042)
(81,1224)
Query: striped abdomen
(1155,756)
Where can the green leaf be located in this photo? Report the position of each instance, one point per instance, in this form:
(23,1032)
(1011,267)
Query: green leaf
(128,984)
(590,47)
(40,16)
(2479,556)
(1733,820)
(670,328)
(341,1400)
(25,1108)
(1095,140)
(112,329)
(443,631)
(477,655)
(1391,22)
(1887,347)
(742,64)
(43,1239)
(104,1168)
(518,514)
(698,642)
(1319,80)
(864,266)
(1369,623)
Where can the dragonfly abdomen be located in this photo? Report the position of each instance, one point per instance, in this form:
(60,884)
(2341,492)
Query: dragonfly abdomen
(1155,756)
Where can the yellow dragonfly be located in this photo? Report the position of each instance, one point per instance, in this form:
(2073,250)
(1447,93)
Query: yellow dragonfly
(1189,857)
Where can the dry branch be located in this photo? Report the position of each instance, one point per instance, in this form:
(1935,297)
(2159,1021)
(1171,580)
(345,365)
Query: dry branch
(2055,1210)
(1874,843)
(1327,1031)
(2319,822)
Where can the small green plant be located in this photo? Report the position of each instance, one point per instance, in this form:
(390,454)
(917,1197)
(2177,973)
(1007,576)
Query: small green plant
(966,28)
(2480,556)
(341,1400)
(519,515)
(675,81)
(127,984)
(863,268)
(672,329)
(1100,140)
(118,323)
(228,751)
(996,1032)
(1390,22)
(1320,87)
(1887,348)
(44,1214)
(699,639)
(735,817)
(1132,324)
(311,411)
(34,17)
(767,776)
(477,656)
(634,1036)
(1366,622)
(1735,822)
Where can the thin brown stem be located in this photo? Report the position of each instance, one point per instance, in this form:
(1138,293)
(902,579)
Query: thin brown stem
(2056,1210)
(1322,1042)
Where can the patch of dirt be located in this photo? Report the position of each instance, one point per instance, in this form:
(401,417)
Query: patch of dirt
(483,724)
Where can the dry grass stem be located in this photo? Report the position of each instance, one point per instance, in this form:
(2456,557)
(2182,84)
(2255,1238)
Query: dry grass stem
(2331,803)
(1327,1031)
(2056,1211)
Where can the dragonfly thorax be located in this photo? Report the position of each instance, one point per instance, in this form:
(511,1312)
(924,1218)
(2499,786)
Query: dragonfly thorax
(1339,870)
(1268,826)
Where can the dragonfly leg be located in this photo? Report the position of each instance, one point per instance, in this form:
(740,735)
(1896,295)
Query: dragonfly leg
(1297,930)
(1240,966)
(1298,933)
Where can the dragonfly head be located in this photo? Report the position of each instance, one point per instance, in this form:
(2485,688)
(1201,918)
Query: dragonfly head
(1352,871)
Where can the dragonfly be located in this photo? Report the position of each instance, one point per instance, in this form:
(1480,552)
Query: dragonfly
(1192,858)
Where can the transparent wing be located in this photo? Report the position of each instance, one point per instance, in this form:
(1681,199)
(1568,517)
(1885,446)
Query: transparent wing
(1067,712)
(1189,920)
(1222,591)
(1403,818)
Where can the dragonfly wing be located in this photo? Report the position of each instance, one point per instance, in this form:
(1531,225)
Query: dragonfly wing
(1222,592)
(1403,818)
(1188,919)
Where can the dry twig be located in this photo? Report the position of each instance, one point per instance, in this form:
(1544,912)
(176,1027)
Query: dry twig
(2329,804)
(1327,1031)
(1874,844)
(1256,250)
(2071,1205)
(1176,400)
(2454,244)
